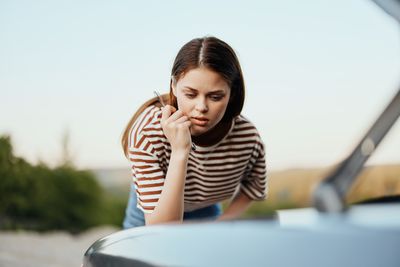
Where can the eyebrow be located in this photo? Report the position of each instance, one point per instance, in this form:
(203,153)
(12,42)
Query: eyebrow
(212,92)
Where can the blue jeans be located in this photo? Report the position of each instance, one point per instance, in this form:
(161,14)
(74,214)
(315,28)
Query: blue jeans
(135,217)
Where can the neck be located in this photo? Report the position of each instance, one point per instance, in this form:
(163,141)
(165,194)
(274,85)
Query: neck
(214,135)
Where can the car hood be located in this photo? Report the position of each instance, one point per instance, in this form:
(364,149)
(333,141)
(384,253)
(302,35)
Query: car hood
(332,241)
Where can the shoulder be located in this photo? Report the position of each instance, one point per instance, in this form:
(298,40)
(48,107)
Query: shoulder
(246,131)
(151,118)
(244,125)
(150,115)
(146,125)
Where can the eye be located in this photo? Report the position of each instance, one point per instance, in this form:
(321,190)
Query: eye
(191,96)
(216,97)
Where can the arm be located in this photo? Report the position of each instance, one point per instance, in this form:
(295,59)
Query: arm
(254,185)
(170,205)
(238,205)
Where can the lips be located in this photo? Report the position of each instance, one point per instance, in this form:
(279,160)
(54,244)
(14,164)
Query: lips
(200,121)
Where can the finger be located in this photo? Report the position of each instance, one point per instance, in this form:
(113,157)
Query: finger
(182,119)
(178,114)
(172,108)
(166,112)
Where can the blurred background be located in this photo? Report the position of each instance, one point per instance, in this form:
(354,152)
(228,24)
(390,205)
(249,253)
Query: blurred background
(72,73)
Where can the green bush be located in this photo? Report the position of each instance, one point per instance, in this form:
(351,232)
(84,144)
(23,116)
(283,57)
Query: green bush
(41,198)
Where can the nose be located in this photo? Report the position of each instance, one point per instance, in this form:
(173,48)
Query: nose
(201,105)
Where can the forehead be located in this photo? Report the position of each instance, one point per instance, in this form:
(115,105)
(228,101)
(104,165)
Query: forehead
(202,79)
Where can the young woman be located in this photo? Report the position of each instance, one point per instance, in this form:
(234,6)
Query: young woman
(174,180)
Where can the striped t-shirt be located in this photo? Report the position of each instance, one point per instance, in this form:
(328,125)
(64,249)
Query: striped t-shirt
(214,173)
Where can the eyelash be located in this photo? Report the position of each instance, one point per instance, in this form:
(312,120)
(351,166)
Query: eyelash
(216,98)
(190,96)
(213,98)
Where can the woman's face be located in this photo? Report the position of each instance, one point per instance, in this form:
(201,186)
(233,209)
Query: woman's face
(203,96)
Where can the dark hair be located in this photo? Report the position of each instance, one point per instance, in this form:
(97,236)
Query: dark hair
(213,54)
(216,55)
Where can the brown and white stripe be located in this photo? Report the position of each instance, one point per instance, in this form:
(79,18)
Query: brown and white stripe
(214,173)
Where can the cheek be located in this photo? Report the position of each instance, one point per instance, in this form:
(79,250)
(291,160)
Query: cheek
(184,106)
(219,110)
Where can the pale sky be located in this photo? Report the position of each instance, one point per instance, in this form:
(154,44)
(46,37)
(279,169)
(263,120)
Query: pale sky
(317,72)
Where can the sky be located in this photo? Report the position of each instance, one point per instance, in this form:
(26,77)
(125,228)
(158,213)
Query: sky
(317,73)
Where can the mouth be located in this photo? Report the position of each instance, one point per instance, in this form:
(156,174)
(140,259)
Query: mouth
(200,121)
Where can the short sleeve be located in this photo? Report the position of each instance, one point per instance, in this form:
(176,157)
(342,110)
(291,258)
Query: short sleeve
(255,184)
(147,174)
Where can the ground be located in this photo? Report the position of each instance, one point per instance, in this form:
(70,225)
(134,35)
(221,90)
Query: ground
(54,249)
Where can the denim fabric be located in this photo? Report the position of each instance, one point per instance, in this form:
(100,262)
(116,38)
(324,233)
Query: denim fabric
(135,217)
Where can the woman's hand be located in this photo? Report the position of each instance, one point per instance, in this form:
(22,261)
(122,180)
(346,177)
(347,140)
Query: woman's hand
(176,127)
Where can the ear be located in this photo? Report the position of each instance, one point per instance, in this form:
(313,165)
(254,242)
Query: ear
(174,89)
(173,86)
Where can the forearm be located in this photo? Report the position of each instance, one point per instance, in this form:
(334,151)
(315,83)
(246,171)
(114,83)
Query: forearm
(170,205)
(238,205)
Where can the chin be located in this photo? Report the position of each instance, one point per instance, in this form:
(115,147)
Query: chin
(195,131)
